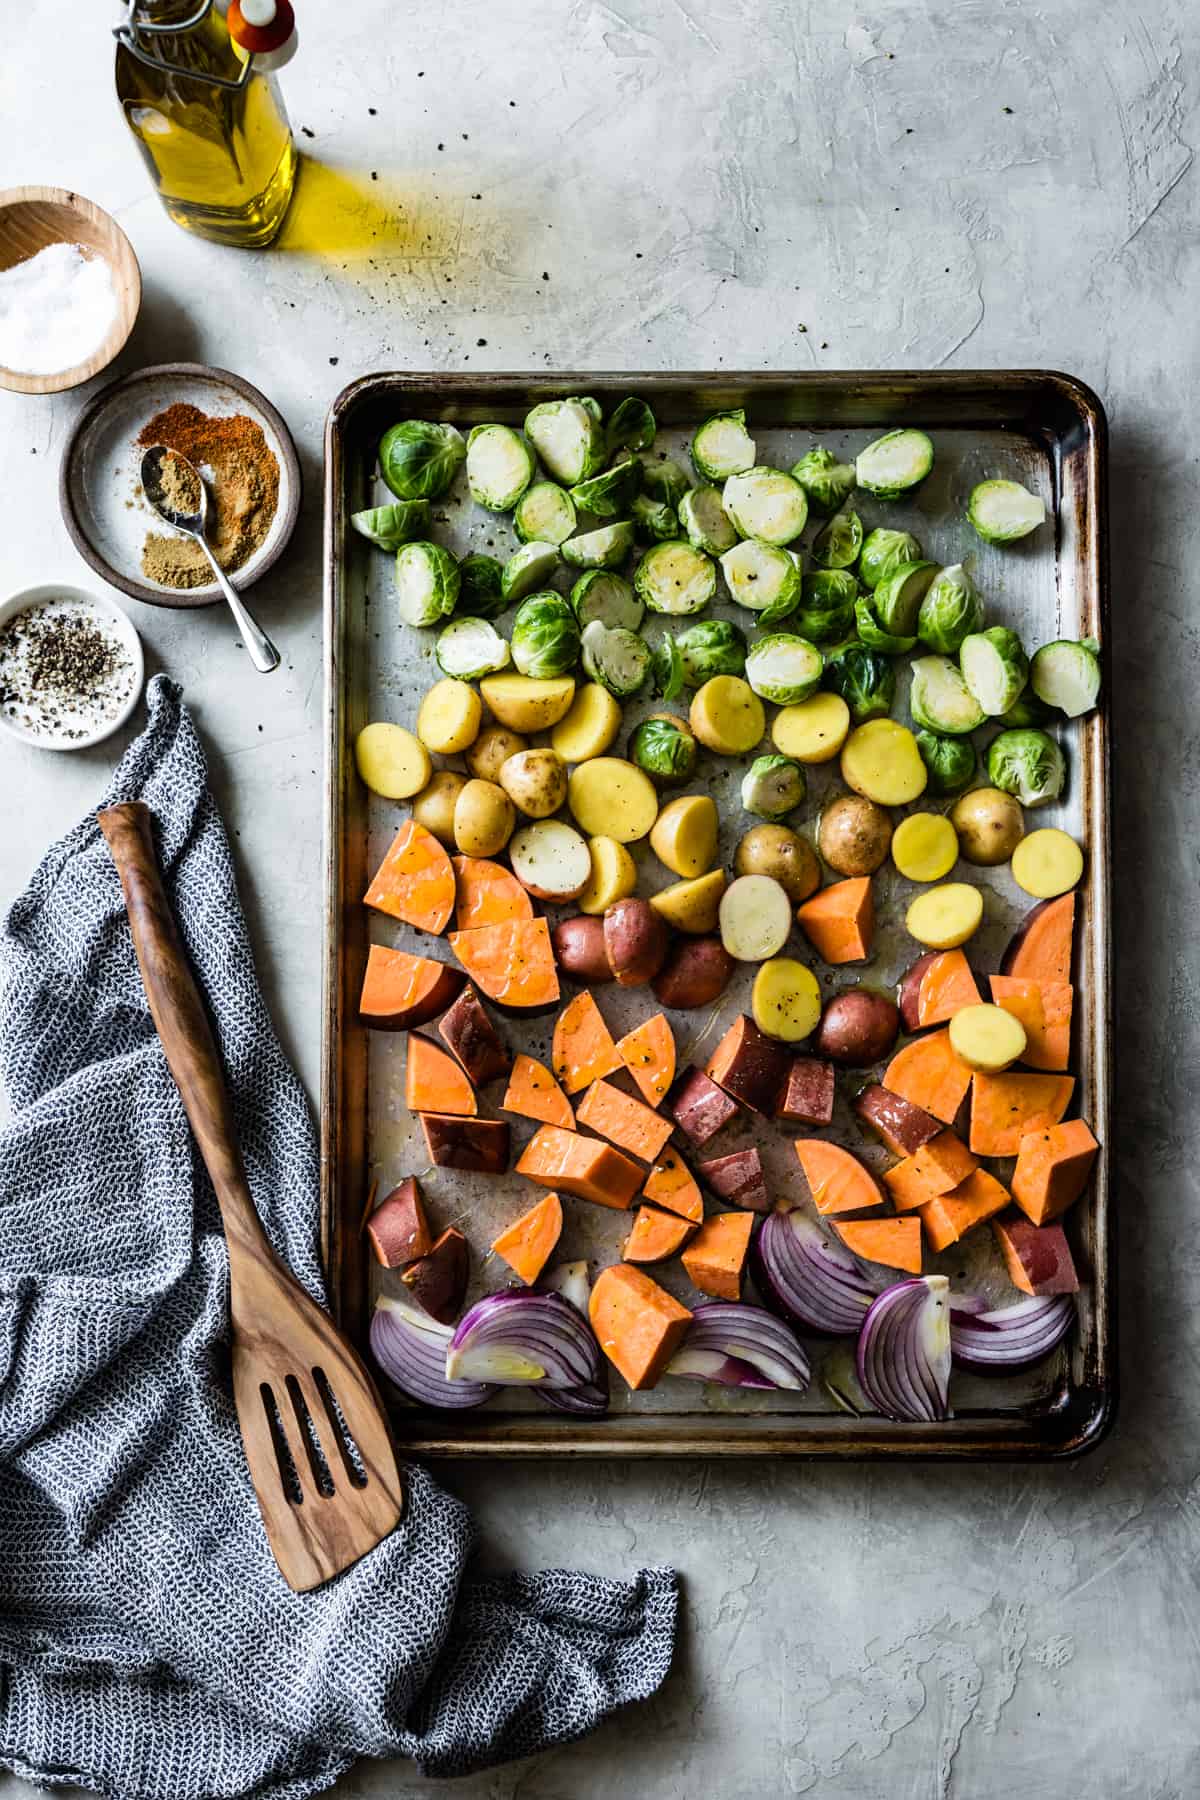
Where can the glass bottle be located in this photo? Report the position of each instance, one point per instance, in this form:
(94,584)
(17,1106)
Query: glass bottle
(213,130)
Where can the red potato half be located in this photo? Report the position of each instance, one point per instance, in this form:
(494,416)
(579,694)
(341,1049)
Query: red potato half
(899,1124)
(858,1029)
(695,973)
(551,860)
(636,941)
(579,950)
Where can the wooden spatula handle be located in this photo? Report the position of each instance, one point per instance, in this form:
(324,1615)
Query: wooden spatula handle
(179,1014)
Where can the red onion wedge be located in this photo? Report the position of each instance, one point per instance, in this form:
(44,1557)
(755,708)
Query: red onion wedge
(904,1351)
(740,1346)
(808,1278)
(571,1281)
(590,1401)
(410,1348)
(1009,1337)
(518,1338)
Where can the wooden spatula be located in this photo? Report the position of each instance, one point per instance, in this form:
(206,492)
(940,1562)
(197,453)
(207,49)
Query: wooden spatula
(316,1439)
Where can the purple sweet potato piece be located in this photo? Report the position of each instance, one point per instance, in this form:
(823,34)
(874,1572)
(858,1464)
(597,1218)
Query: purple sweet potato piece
(698,1106)
(909,993)
(899,1124)
(438,1282)
(458,1143)
(398,1229)
(1038,1257)
(750,1066)
(807,1098)
(737,1178)
(468,1032)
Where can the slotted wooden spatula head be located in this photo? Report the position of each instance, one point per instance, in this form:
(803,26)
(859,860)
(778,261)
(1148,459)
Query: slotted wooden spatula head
(313,1425)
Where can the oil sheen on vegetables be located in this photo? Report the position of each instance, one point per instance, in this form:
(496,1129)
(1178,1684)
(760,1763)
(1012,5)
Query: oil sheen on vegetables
(222,159)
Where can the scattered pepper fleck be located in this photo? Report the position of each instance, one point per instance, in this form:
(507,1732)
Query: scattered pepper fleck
(305,132)
(333,362)
(1007,109)
(480,343)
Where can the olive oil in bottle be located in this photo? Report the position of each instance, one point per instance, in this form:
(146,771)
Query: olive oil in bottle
(212,128)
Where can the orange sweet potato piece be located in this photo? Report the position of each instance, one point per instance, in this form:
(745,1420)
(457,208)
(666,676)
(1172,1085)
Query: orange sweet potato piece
(943,1162)
(1005,1108)
(527,1244)
(1038,1257)
(433,1081)
(486,893)
(655,1235)
(1052,1169)
(624,1121)
(895,1242)
(930,1075)
(512,963)
(716,1255)
(951,1215)
(400,991)
(415,881)
(1044,1009)
(1041,949)
(648,1052)
(947,985)
(903,1182)
(839,1182)
(671,1183)
(638,1325)
(583,1050)
(581,1166)
(839,921)
(533,1093)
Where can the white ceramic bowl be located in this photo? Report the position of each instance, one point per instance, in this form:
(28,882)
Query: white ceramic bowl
(63,590)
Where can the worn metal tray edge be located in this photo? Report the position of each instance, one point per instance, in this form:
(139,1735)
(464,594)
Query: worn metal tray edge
(1064,1431)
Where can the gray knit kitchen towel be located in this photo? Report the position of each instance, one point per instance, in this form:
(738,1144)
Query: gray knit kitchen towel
(149,1648)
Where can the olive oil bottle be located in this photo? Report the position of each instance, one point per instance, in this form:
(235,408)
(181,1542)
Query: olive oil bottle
(212,128)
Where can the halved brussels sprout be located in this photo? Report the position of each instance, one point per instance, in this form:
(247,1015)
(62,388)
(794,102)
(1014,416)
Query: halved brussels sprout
(950,761)
(664,748)
(674,578)
(609,494)
(663,479)
(391,526)
(427,583)
(713,647)
(419,460)
(827,600)
(1028,765)
(568,437)
(631,427)
(666,666)
(839,542)
(895,463)
(471,648)
(865,680)
(602,595)
(827,482)
(1027,710)
(940,699)
(616,658)
(499,466)
(784,668)
(872,634)
(545,637)
(763,578)
(481,592)
(1066,674)
(605,548)
(706,524)
(766,504)
(883,552)
(653,520)
(528,568)
(1002,511)
(722,446)
(994,667)
(951,610)
(898,599)
(545,514)
(773,786)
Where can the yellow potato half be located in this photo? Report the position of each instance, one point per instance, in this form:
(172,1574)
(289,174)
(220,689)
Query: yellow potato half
(1047,863)
(450,716)
(613,876)
(611,798)
(692,906)
(525,704)
(391,761)
(813,731)
(925,846)
(727,716)
(589,728)
(945,916)
(684,837)
(881,760)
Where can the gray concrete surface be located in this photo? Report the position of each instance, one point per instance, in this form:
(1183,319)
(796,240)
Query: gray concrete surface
(770,184)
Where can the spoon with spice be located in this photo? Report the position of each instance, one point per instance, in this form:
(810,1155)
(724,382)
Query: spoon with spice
(177,493)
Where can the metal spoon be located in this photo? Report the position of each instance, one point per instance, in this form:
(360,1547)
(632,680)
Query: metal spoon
(263,653)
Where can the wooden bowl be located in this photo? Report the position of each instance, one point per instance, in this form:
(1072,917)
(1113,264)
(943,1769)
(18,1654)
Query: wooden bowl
(31,218)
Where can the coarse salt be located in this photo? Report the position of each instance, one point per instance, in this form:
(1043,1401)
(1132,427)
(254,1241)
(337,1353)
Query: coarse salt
(56,309)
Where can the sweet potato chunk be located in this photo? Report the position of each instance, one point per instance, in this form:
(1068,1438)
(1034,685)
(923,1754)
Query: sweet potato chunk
(952,1215)
(398,1229)
(1041,949)
(893,1242)
(469,1033)
(533,1093)
(1044,1009)
(808,1093)
(486,893)
(433,1081)
(670,1183)
(716,1255)
(415,881)
(838,1181)
(698,1106)
(737,1178)
(839,921)
(638,1325)
(750,1066)
(1038,1257)
(947,985)
(655,1235)
(438,1281)
(512,963)
(943,1163)
(1052,1169)
(624,1121)
(458,1143)
(648,1052)
(930,1075)
(583,1050)
(581,1166)
(401,991)
(529,1241)
(1005,1108)
(899,1124)
(903,1182)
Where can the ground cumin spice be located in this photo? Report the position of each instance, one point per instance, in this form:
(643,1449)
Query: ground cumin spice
(243,479)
